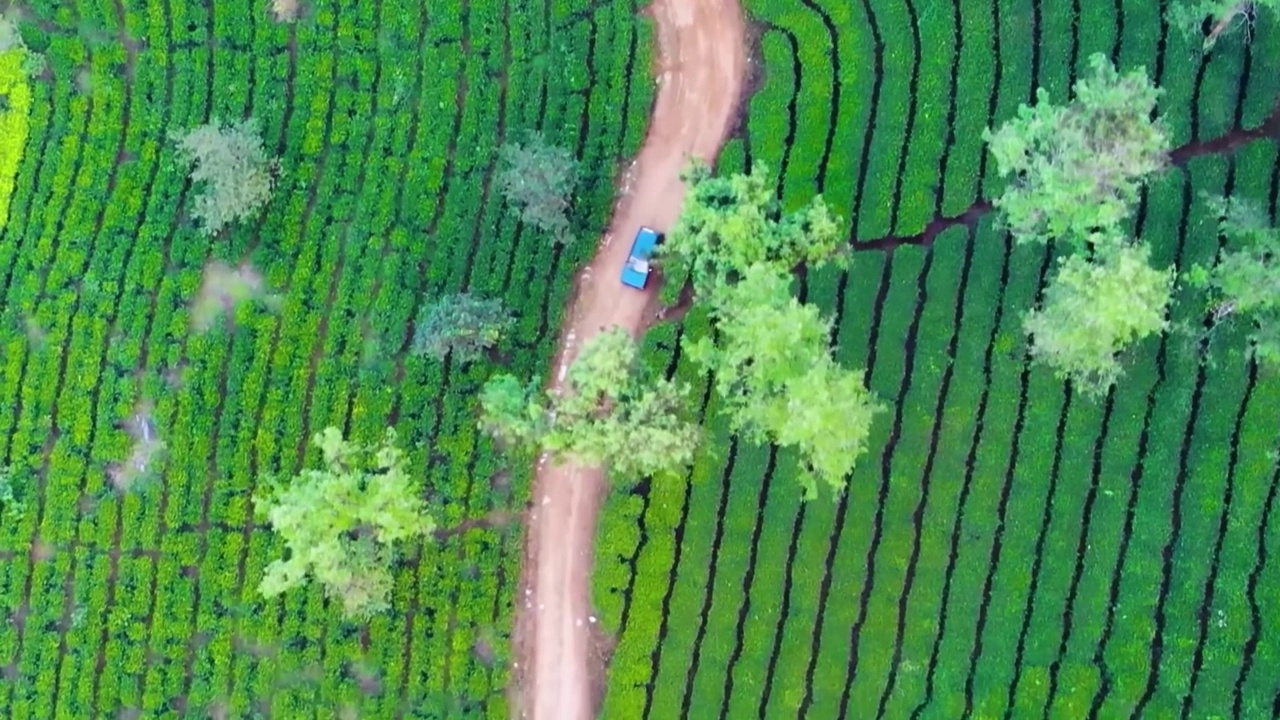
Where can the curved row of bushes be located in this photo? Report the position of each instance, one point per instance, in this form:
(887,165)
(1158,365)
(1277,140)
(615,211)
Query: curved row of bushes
(136,591)
(1008,546)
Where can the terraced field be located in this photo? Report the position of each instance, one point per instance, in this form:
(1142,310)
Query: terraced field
(1008,548)
(142,602)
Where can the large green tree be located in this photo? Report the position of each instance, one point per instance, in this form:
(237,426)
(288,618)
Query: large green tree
(1077,168)
(1224,16)
(730,223)
(231,168)
(771,361)
(1244,280)
(340,522)
(460,324)
(1093,309)
(537,180)
(770,355)
(608,412)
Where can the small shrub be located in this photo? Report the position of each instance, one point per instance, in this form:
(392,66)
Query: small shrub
(1244,280)
(10,506)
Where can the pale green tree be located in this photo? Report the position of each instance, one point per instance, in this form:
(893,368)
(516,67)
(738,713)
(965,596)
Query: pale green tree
(770,355)
(1077,169)
(608,413)
(1092,310)
(1225,16)
(1244,280)
(771,361)
(341,522)
(460,324)
(231,170)
(537,180)
(728,224)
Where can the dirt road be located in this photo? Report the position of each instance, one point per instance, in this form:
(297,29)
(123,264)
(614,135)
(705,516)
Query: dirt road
(701,68)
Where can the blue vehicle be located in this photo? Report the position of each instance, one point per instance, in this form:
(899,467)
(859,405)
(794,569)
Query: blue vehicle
(635,273)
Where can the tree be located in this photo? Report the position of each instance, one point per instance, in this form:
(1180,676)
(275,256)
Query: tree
(1245,279)
(340,522)
(537,181)
(21,48)
(608,413)
(1093,309)
(1077,169)
(728,224)
(1189,18)
(462,324)
(230,164)
(771,358)
(772,364)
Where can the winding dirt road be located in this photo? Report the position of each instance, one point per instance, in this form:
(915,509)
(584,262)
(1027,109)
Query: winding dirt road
(701,66)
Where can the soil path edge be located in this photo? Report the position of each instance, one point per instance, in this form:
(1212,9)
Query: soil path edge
(701,72)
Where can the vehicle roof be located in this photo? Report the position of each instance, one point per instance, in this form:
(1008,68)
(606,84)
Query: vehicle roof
(646,238)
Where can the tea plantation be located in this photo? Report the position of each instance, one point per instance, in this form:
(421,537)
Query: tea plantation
(136,595)
(1009,547)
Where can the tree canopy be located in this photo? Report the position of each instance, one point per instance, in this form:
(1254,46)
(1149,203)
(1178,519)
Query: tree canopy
(537,180)
(1093,309)
(609,413)
(770,354)
(231,165)
(340,522)
(1244,280)
(1077,168)
(728,224)
(772,364)
(1190,17)
(462,324)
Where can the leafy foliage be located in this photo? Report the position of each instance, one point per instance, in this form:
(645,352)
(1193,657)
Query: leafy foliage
(462,324)
(24,56)
(773,366)
(14,125)
(11,508)
(1190,17)
(340,522)
(1245,279)
(1093,309)
(231,164)
(608,413)
(537,179)
(1077,169)
(728,224)
(772,362)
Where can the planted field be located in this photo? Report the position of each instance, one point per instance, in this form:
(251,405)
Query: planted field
(1008,548)
(140,600)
